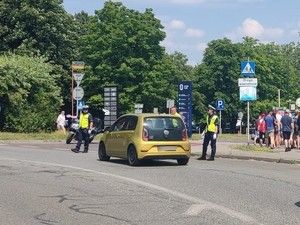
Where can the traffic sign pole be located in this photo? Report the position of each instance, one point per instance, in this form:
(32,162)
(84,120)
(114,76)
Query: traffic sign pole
(220,121)
(78,66)
(77,107)
(248,116)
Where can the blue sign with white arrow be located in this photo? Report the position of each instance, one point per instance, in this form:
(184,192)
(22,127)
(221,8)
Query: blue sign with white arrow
(248,69)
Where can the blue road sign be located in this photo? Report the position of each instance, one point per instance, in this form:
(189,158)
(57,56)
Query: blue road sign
(248,69)
(80,105)
(247,93)
(220,104)
(185,103)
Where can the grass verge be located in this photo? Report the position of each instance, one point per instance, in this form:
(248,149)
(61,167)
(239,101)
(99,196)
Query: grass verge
(252,148)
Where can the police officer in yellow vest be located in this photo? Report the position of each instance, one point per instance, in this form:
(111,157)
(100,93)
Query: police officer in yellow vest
(211,130)
(85,127)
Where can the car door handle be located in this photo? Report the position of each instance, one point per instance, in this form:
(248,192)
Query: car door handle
(129,136)
(118,135)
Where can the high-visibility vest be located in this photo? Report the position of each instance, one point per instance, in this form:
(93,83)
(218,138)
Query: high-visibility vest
(84,120)
(211,127)
(174,121)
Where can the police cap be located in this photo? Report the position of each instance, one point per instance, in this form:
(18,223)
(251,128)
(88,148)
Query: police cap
(211,107)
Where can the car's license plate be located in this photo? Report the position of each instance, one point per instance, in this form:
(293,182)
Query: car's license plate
(166,148)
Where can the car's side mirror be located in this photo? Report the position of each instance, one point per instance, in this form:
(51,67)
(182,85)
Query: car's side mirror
(106,129)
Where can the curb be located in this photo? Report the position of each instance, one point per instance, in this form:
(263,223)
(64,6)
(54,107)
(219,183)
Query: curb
(286,161)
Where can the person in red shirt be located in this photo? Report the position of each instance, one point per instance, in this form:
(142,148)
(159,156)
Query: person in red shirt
(262,128)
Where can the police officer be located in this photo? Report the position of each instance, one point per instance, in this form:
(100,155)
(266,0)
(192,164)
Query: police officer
(210,134)
(85,126)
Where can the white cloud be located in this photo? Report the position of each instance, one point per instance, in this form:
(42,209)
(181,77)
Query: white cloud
(168,43)
(176,24)
(252,28)
(202,46)
(194,33)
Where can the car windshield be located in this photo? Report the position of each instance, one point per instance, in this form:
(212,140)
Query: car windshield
(164,128)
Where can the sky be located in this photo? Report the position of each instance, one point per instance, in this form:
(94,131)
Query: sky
(191,24)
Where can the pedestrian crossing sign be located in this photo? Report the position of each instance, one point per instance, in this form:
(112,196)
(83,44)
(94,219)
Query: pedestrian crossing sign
(248,69)
(80,105)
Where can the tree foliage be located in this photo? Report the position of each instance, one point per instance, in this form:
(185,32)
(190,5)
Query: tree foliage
(28,94)
(221,68)
(122,47)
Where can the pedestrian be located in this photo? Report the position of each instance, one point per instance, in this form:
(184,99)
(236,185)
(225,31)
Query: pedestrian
(277,130)
(210,134)
(296,128)
(173,111)
(256,132)
(85,127)
(262,128)
(287,128)
(270,129)
(279,114)
(61,122)
(238,126)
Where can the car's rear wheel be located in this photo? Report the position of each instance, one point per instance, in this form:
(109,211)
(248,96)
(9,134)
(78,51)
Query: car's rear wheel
(182,161)
(132,156)
(102,152)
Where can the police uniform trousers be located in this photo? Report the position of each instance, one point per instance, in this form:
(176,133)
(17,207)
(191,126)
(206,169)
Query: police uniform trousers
(83,135)
(209,138)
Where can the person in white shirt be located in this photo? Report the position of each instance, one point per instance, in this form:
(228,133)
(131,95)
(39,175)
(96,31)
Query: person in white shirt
(60,122)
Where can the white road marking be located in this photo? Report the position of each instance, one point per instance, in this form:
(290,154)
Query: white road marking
(197,201)
(196,209)
(29,146)
(64,149)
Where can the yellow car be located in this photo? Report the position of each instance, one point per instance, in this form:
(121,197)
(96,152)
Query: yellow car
(146,136)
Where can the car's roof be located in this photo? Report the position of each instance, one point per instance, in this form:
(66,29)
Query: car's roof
(149,115)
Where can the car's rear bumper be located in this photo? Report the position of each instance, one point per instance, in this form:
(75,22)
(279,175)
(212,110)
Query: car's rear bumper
(165,152)
(166,157)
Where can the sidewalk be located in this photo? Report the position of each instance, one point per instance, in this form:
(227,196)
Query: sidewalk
(225,150)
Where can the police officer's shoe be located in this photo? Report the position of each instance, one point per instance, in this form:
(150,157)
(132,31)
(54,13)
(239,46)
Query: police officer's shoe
(85,150)
(211,159)
(202,158)
(76,150)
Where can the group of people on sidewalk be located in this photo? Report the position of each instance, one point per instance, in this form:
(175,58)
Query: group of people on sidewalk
(278,128)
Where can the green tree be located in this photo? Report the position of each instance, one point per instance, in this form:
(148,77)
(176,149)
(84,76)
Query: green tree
(217,77)
(38,28)
(28,94)
(41,28)
(122,48)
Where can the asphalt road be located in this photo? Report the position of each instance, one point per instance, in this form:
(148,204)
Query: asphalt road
(46,183)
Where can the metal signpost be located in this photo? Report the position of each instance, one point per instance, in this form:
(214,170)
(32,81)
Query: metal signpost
(77,92)
(220,105)
(170,104)
(248,88)
(138,108)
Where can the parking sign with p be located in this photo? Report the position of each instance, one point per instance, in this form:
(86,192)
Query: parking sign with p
(220,104)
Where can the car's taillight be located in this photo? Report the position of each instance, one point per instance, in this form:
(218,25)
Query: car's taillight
(145,135)
(184,135)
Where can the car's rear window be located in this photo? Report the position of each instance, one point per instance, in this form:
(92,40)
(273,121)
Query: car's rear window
(164,128)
